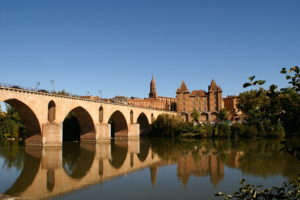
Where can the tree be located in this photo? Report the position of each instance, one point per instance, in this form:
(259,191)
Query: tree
(269,108)
(222,115)
(195,115)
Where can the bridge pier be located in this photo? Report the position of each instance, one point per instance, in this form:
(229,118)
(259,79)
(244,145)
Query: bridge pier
(133,131)
(103,131)
(51,134)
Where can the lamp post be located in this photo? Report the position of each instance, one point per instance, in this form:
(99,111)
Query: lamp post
(37,85)
(100,93)
(53,88)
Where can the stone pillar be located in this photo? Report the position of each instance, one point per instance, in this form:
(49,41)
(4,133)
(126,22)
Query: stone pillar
(133,130)
(103,132)
(51,158)
(103,150)
(134,146)
(52,134)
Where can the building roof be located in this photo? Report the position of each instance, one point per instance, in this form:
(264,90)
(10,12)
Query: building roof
(198,93)
(183,88)
(214,86)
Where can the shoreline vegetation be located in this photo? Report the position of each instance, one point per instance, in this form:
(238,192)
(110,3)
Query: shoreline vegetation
(269,113)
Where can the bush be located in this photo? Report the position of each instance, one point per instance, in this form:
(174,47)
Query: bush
(288,191)
(251,131)
(224,130)
(238,130)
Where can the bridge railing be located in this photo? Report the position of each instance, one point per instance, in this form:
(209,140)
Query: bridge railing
(69,95)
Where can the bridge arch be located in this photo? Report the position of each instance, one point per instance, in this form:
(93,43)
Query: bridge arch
(51,111)
(119,127)
(144,124)
(119,151)
(144,150)
(30,120)
(78,125)
(78,159)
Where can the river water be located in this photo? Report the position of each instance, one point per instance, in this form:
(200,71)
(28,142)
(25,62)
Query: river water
(142,169)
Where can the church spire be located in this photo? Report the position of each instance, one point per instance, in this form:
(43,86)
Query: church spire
(153,93)
(183,88)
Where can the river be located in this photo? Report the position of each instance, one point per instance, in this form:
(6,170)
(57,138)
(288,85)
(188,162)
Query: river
(142,169)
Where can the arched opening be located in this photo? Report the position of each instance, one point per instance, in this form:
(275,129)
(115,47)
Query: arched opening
(144,124)
(119,150)
(101,168)
(118,125)
(101,114)
(131,160)
(20,122)
(131,117)
(204,117)
(78,125)
(78,159)
(185,117)
(29,172)
(51,111)
(152,118)
(50,180)
(213,116)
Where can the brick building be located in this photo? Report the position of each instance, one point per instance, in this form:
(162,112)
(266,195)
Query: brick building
(230,104)
(208,104)
(154,101)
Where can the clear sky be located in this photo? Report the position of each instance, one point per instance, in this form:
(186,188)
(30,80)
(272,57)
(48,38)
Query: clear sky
(116,46)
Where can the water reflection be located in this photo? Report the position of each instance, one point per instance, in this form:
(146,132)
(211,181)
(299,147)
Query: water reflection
(48,172)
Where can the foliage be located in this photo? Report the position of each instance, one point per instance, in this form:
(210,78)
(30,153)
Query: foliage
(168,125)
(171,126)
(222,115)
(11,125)
(271,109)
(288,191)
(195,115)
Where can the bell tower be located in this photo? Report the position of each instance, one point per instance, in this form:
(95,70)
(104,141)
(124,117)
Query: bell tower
(153,93)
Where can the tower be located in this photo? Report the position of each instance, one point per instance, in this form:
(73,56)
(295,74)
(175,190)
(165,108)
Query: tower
(214,97)
(153,93)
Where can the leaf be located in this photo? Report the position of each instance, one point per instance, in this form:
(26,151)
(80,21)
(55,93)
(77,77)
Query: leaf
(273,87)
(261,82)
(288,77)
(251,78)
(295,69)
(283,70)
(246,85)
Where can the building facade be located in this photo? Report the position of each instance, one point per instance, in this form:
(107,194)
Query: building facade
(208,104)
(153,101)
(230,104)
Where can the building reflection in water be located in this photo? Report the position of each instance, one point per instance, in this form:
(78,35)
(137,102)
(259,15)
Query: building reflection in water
(49,172)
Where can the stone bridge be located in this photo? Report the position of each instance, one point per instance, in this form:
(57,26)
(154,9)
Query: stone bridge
(43,115)
(46,174)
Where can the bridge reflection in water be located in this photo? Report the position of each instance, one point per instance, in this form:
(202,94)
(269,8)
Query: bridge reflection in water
(51,171)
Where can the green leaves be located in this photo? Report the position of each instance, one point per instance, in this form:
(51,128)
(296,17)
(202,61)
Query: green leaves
(245,85)
(251,78)
(288,191)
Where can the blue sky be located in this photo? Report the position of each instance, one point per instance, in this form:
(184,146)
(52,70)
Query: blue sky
(116,46)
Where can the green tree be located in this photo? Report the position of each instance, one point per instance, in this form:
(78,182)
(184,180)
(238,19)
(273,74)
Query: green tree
(195,115)
(222,115)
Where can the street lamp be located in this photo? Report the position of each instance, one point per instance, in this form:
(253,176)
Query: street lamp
(100,93)
(37,85)
(52,82)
